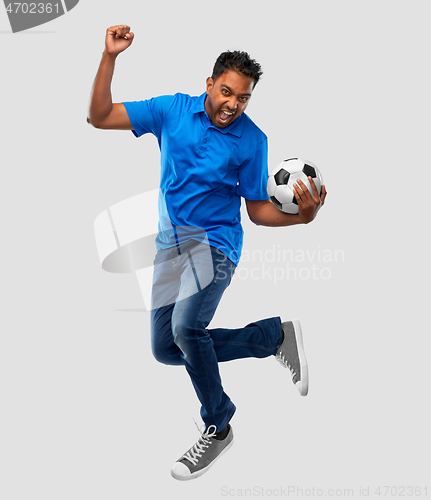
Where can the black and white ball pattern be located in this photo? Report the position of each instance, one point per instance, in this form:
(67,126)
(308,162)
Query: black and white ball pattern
(282,178)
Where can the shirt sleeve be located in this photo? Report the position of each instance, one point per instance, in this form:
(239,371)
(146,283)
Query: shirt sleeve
(253,175)
(148,116)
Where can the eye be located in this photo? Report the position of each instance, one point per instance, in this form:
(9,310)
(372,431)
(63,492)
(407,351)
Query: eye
(225,91)
(244,99)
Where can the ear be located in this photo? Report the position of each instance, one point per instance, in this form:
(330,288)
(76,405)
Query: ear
(210,84)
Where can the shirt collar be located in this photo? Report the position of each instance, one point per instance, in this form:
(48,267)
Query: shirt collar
(235,128)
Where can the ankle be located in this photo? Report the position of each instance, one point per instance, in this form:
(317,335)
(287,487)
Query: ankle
(222,434)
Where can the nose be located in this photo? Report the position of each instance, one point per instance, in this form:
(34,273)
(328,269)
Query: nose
(232,103)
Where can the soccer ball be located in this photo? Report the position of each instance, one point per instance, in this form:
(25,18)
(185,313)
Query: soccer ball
(282,178)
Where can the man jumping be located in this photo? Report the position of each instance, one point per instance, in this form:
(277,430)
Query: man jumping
(212,155)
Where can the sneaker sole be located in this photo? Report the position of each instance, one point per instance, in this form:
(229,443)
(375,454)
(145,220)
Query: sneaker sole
(302,385)
(205,469)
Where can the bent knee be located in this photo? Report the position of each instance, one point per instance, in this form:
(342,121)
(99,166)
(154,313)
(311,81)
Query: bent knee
(186,337)
(166,356)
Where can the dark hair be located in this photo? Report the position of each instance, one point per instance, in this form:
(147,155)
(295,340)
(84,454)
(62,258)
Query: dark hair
(241,62)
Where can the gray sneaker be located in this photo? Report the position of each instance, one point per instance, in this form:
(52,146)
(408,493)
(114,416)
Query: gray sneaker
(291,355)
(201,456)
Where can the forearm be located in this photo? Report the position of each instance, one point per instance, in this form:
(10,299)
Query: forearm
(266,214)
(101,97)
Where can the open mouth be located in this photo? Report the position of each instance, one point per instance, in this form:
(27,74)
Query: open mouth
(225,115)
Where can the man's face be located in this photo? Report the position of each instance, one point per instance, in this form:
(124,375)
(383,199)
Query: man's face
(227,97)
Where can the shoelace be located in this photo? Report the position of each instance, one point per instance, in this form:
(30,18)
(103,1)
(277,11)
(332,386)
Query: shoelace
(197,450)
(284,361)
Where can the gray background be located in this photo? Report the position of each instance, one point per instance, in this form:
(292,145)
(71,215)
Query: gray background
(86,411)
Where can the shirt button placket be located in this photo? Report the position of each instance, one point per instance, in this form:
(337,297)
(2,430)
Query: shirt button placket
(206,139)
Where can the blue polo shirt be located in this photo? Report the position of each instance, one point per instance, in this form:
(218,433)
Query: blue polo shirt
(205,170)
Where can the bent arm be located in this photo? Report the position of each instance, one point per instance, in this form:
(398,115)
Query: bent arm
(103,113)
(264,213)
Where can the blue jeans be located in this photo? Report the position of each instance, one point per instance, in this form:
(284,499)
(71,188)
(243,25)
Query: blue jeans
(182,311)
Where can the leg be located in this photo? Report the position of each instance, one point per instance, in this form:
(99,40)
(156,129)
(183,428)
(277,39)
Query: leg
(259,339)
(256,340)
(166,285)
(162,341)
(190,318)
(201,350)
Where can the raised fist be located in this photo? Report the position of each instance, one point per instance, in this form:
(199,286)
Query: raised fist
(118,38)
